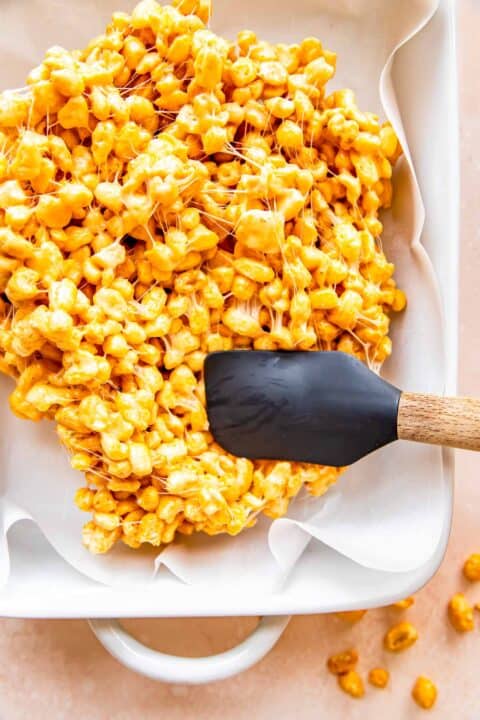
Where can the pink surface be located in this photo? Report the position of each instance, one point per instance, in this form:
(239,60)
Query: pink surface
(54,670)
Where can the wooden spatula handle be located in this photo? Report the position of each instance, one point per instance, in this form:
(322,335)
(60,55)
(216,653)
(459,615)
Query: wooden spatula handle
(450,421)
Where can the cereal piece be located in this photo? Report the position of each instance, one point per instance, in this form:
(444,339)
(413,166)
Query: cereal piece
(404,604)
(400,637)
(351,616)
(460,613)
(342,662)
(379,677)
(471,567)
(352,684)
(261,230)
(84,499)
(98,540)
(399,301)
(149,499)
(424,692)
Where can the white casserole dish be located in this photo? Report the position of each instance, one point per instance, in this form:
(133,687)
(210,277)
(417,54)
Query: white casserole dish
(42,585)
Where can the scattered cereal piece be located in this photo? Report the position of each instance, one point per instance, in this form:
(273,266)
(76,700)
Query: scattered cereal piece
(352,684)
(460,613)
(404,604)
(342,662)
(424,692)
(471,568)
(400,637)
(351,616)
(379,677)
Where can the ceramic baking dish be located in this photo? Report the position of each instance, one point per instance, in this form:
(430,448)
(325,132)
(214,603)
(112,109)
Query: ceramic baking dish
(42,585)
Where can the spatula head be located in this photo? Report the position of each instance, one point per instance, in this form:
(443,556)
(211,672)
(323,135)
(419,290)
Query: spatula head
(315,407)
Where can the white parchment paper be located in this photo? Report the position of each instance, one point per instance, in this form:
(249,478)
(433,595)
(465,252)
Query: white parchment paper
(386,512)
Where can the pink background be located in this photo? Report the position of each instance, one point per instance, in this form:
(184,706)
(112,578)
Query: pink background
(51,670)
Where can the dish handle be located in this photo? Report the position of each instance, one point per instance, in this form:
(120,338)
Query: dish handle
(192,671)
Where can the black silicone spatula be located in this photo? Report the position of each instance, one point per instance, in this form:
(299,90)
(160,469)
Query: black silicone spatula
(323,407)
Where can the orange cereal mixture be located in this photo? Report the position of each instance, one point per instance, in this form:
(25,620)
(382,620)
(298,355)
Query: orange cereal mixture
(166,193)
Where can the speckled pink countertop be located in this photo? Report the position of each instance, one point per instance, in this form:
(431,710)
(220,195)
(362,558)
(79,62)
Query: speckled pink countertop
(50,670)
